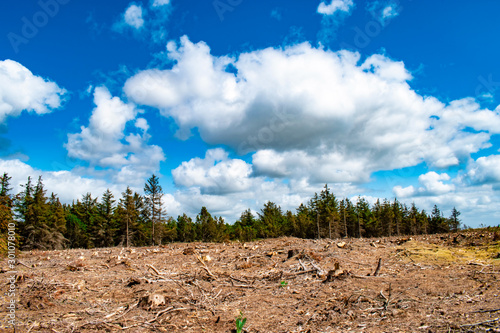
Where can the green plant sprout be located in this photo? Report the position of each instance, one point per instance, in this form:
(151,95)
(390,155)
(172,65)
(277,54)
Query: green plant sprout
(240,322)
(283,284)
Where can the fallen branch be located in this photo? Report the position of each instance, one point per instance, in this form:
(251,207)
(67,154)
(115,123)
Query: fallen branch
(127,311)
(21,263)
(235,279)
(205,267)
(167,310)
(473,263)
(321,272)
(483,311)
(481,323)
(302,265)
(154,269)
(303,272)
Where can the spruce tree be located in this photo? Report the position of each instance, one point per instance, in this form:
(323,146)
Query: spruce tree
(154,194)
(6,216)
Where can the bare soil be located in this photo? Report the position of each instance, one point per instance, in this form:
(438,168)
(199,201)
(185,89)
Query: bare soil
(438,283)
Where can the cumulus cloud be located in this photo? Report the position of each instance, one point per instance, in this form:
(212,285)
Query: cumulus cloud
(432,185)
(335,6)
(106,144)
(20,90)
(478,201)
(230,205)
(313,113)
(485,169)
(133,16)
(228,186)
(216,173)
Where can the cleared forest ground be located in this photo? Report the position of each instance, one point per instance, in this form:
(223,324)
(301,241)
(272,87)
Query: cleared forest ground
(438,283)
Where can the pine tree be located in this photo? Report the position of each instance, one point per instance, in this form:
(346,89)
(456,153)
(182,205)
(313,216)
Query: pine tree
(454,220)
(57,222)
(244,228)
(186,231)
(6,203)
(154,194)
(105,227)
(38,229)
(363,215)
(271,220)
(127,215)
(305,225)
(438,223)
(206,225)
(6,216)
(86,213)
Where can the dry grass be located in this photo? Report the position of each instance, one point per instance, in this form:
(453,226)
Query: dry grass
(444,255)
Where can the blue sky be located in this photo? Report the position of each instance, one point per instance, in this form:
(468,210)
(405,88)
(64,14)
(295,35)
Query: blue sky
(237,102)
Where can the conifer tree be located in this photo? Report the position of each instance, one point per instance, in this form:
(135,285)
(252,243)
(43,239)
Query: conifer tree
(37,229)
(127,215)
(105,226)
(206,225)
(454,220)
(154,194)
(6,216)
(271,220)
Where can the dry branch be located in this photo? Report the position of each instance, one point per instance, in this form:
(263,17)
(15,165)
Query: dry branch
(205,267)
(481,323)
(154,269)
(378,267)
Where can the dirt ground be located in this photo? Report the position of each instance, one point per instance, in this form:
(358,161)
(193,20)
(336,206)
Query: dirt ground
(439,283)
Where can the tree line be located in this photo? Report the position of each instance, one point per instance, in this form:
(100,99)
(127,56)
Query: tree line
(43,222)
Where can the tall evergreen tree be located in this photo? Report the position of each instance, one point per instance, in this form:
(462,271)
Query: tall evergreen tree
(271,220)
(206,225)
(105,226)
(6,203)
(454,220)
(186,230)
(6,216)
(127,215)
(244,228)
(38,230)
(154,194)
(86,213)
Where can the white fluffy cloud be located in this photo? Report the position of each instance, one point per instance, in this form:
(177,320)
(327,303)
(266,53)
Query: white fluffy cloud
(432,185)
(485,169)
(335,6)
(133,16)
(309,112)
(104,143)
(216,173)
(228,186)
(478,201)
(20,90)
